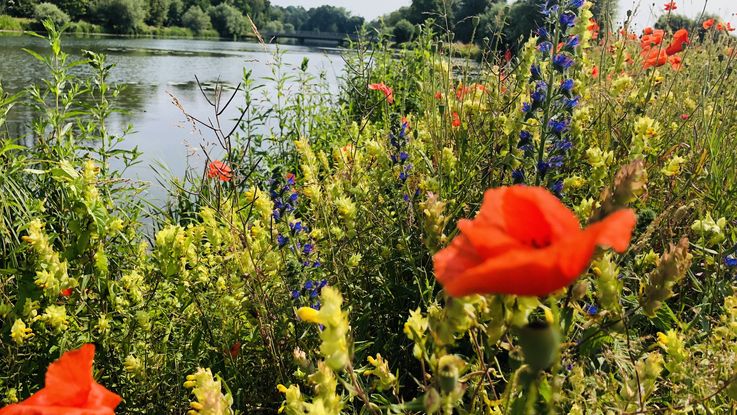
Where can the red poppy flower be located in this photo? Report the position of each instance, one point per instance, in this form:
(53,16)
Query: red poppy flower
(69,390)
(388,92)
(648,31)
(685,117)
(438,95)
(595,71)
(675,62)
(220,170)
(456,120)
(655,57)
(235,349)
(66,292)
(720,26)
(679,39)
(507,56)
(729,27)
(708,24)
(594,28)
(524,241)
(670,6)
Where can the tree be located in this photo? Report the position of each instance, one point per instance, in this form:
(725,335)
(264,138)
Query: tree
(196,20)
(158,11)
(48,11)
(228,21)
(523,18)
(467,17)
(674,22)
(175,13)
(421,10)
(604,12)
(121,16)
(76,9)
(403,31)
(20,8)
(327,19)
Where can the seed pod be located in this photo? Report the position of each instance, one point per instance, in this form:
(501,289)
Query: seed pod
(540,344)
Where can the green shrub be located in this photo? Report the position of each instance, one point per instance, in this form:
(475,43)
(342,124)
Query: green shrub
(403,31)
(228,21)
(15,24)
(196,20)
(121,16)
(48,11)
(81,27)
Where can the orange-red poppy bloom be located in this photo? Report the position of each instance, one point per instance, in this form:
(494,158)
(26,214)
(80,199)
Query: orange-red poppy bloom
(388,92)
(675,62)
(456,120)
(720,26)
(69,390)
(729,27)
(648,31)
(655,57)
(670,6)
(524,241)
(708,24)
(66,292)
(220,170)
(685,117)
(595,71)
(438,95)
(676,45)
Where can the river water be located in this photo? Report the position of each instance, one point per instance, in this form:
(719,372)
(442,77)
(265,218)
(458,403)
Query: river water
(152,70)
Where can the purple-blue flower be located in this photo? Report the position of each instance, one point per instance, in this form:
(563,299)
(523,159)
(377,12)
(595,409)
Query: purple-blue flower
(562,62)
(545,47)
(567,19)
(518,176)
(730,261)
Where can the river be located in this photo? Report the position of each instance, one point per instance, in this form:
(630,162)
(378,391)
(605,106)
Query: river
(151,70)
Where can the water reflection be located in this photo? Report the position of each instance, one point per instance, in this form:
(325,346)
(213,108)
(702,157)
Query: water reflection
(152,69)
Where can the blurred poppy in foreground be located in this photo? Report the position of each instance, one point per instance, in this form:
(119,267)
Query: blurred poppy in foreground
(220,170)
(387,91)
(69,389)
(524,241)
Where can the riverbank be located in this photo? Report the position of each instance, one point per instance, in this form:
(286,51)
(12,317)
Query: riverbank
(10,24)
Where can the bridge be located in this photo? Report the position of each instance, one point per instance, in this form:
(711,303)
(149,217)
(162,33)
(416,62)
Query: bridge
(301,37)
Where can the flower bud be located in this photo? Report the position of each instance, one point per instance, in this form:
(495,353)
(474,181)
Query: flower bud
(540,344)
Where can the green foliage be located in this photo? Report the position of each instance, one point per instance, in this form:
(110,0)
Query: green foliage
(121,16)
(158,12)
(228,21)
(196,20)
(48,11)
(403,31)
(15,24)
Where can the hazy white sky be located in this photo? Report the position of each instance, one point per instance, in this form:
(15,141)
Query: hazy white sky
(647,12)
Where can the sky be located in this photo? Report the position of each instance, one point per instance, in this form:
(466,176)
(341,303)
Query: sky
(648,10)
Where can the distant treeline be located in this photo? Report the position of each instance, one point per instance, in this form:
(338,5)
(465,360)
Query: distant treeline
(485,22)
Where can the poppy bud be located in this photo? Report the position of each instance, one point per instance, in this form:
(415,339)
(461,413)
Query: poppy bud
(449,369)
(540,344)
(579,290)
(431,401)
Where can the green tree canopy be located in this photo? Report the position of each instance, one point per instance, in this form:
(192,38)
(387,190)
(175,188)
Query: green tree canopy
(196,20)
(228,21)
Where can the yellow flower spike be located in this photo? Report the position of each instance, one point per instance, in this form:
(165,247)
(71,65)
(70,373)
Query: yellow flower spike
(309,315)
(662,338)
(281,388)
(549,316)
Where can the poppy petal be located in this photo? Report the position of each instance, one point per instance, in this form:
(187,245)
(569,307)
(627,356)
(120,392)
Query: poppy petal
(527,272)
(68,379)
(100,397)
(452,261)
(23,409)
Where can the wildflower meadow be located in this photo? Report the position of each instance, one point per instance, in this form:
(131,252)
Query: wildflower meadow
(550,229)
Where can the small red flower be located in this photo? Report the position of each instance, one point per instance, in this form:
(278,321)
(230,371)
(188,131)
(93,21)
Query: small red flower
(729,27)
(524,241)
(66,292)
(69,389)
(595,71)
(456,120)
(708,24)
(438,95)
(670,6)
(679,39)
(507,56)
(648,31)
(720,26)
(220,170)
(685,117)
(675,62)
(235,349)
(388,92)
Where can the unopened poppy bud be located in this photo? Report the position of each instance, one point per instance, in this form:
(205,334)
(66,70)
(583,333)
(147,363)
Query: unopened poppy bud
(431,401)
(579,290)
(540,343)
(449,369)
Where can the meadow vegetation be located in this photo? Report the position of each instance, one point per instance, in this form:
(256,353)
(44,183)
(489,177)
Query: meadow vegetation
(316,266)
